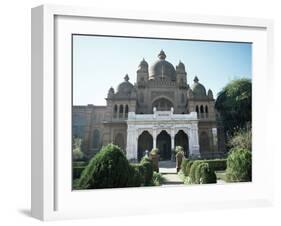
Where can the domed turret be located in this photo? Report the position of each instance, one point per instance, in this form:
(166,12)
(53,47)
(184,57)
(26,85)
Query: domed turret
(162,69)
(180,67)
(210,94)
(110,92)
(143,66)
(125,87)
(198,89)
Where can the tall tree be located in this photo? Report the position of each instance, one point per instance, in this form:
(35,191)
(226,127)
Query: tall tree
(234,104)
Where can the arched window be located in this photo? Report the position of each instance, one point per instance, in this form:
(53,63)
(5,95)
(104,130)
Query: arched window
(126,111)
(201,111)
(95,138)
(197,110)
(115,111)
(206,111)
(121,110)
(162,104)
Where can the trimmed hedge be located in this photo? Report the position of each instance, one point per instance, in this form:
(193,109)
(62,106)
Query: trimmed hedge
(208,175)
(193,169)
(147,168)
(188,167)
(217,164)
(109,168)
(239,165)
(183,164)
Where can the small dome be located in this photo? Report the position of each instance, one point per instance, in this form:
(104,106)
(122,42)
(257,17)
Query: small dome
(125,87)
(198,89)
(162,68)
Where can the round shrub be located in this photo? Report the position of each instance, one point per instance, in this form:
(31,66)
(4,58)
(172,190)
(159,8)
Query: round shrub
(147,166)
(207,174)
(239,165)
(109,168)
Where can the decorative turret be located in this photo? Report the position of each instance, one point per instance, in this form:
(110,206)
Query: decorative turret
(180,68)
(110,92)
(143,66)
(198,89)
(210,94)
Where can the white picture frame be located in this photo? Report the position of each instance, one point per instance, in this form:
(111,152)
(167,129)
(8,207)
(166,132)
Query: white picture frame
(52,197)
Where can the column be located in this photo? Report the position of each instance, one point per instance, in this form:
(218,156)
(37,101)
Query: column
(131,150)
(215,139)
(154,136)
(194,142)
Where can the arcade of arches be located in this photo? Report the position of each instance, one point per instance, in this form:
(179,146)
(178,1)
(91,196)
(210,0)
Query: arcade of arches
(163,143)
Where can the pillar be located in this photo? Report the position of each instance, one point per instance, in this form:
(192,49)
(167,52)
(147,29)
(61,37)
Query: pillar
(154,136)
(194,141)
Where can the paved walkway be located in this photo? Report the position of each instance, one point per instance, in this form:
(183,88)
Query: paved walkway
(169,172)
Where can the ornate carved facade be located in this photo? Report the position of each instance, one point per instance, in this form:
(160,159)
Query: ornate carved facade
(159,110)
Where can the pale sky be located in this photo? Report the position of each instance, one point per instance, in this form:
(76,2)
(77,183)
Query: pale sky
(100,62)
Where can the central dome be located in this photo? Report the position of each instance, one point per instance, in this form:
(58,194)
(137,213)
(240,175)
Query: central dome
(162,69)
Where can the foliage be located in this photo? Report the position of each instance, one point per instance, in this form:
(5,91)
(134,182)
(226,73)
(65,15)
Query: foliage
(179,149)
(234,104)
(239,165)
(186,170)
(206,174)
(77,149)
(241,139)
(154,151)
(216,164)
(157,179)
(146,163)
(193,168)
(109,168)
(135,175)
(183,165)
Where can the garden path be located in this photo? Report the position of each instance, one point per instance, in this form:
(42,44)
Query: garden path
(169,172)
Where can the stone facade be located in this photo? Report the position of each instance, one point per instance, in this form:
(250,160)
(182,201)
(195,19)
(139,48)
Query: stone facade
(160,110)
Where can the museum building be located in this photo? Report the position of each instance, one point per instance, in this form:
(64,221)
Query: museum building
(159,111)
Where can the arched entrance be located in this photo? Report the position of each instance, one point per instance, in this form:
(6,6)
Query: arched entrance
(181,139)
(145,142)
(163,143)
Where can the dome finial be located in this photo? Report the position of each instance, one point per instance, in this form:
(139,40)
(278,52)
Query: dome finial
(162,55)
(126,78)
(196,79)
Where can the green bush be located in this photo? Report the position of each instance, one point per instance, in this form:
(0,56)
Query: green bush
(239,165)
(193,170)
(147,166)
(135,176)
(157,179)
(189,164)
(242,138)
(217,164)
(183,164)
(207,174)
(109,168)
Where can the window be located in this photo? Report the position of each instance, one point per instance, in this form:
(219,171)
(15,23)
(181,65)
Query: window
(126,111)
(121,110)
(115,111)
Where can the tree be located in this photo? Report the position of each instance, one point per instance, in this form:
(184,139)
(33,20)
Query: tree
(76,149)
(234,103)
